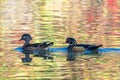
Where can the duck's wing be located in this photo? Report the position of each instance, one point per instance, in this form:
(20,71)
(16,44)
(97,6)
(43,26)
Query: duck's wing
(37,46)
(89,46)
(49,44)
(31,47)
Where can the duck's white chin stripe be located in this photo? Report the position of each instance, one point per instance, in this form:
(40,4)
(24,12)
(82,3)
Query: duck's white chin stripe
(74,43)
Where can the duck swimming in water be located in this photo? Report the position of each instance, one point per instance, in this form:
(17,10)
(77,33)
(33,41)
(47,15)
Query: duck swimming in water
(42,49)
(74,47)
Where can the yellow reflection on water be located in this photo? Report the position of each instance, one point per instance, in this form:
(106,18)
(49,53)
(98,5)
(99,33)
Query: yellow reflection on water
(83,68)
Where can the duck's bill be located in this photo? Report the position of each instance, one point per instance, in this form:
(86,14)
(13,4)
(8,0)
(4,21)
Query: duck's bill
(66,41)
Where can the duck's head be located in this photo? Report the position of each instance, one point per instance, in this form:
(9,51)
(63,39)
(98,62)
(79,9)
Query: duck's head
(26,37)
(71,41)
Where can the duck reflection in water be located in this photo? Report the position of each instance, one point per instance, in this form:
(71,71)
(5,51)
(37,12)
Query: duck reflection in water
(40,49)
(73,48)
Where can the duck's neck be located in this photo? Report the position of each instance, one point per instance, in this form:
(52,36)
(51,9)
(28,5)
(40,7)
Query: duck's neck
(74,44)
(26,43)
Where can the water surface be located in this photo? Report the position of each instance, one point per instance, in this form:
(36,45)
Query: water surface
(89,21)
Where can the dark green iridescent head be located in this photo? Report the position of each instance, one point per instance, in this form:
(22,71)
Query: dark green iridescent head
(71,41)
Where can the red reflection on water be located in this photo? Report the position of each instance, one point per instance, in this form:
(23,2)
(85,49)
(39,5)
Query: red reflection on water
(90,15)
(112,4)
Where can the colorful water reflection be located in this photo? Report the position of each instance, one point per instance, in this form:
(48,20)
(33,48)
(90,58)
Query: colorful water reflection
(89,21)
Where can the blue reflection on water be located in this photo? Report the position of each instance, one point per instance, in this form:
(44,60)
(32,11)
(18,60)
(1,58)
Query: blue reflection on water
(116,50)
(64,50)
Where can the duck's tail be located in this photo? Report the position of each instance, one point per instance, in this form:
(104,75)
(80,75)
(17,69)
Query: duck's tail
(94,47)
(99,45)
(48,44)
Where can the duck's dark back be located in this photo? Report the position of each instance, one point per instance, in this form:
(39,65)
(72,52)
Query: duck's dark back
(33,45)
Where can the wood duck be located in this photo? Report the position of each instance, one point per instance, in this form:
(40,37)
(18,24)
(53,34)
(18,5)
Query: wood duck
(74,47)
(41,48)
